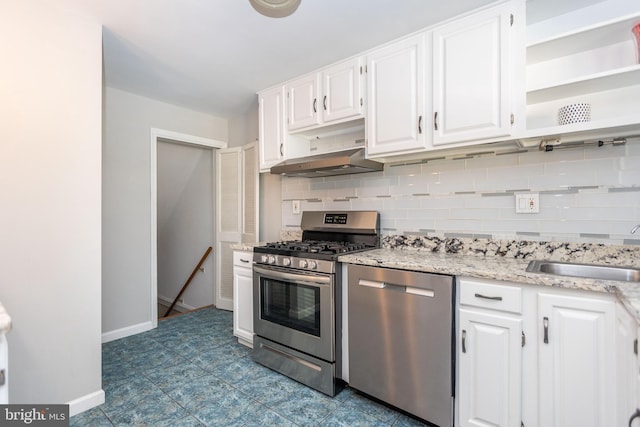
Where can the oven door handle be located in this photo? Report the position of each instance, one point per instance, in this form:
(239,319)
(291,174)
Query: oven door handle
(292,277)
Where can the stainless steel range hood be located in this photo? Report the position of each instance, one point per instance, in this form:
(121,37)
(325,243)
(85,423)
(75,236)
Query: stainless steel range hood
(329,164)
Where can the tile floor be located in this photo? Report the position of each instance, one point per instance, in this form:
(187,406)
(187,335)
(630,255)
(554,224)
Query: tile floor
(190,371)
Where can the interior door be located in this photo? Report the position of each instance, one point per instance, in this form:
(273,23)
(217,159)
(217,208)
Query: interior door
(229,225)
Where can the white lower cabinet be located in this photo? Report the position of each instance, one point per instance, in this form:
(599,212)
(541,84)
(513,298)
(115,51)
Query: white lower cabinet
(627,367)
(539,356)
(243,297)
(489,354)
(490,369)
(576,361)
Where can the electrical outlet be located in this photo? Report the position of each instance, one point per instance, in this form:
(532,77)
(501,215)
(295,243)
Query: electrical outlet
(527,203)
(295,206)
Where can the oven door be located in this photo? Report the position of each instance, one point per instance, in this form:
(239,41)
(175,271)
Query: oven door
(295,309)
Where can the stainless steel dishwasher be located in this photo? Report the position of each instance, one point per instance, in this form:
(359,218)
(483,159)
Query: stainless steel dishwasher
(401,340)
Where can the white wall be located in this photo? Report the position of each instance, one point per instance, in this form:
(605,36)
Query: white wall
(244,129)
(126,229)
(586,194)
(50,132)
(185,222)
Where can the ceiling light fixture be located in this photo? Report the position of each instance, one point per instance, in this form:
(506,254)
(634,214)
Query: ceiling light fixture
(275,8)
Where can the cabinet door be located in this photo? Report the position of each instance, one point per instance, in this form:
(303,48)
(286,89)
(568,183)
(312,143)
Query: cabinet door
(490,369)
(243,298)
(302,98)
(229,221)
(576,360)
(627,368)
(396,98)
(342,91)
(271,127)
(471,78)
(250,193)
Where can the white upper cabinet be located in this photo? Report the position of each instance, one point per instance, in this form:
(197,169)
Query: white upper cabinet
(275,144)
(331,95)
(476,75)
(343,88)
(271,127)
(397,117)
(302,100)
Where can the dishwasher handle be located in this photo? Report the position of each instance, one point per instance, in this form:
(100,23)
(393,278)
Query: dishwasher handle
(372,284)
(407,289)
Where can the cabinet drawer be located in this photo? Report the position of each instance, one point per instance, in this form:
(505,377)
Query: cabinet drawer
(485,294)
(242,259)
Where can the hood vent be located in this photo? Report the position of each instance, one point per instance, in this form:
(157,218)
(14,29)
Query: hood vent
(329,164)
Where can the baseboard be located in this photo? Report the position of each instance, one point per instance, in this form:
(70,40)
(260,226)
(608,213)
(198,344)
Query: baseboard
(125,332)
(182,308)
(86,402)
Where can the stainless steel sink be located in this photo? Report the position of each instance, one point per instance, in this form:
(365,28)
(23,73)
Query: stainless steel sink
(589,271)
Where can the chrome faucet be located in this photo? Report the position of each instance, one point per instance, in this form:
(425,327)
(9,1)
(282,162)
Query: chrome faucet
(633,230)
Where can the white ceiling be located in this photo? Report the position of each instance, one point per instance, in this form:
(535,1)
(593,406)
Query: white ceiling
(213,55)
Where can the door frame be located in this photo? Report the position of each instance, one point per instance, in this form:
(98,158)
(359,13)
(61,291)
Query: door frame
(181,138)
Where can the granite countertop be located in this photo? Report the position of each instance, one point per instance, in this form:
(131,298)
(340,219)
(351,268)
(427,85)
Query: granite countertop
(247,247)
(5,320)
(493,267)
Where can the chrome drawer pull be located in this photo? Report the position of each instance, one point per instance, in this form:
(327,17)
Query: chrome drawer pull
(464,339)
(486,297)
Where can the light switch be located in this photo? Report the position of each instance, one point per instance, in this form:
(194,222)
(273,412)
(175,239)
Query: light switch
(295,206)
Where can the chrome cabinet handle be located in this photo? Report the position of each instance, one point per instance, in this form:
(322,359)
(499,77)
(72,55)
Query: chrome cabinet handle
(281,149)
(244,260)
(464,339)
(315,105)
(324,103)
(435,120)
(420,124)
(486,297)
(545,323)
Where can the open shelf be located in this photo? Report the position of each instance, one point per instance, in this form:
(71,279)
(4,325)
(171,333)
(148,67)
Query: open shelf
(597,82)
(586,56)
(581,39)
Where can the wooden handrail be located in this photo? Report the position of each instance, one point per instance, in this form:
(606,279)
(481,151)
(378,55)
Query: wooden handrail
(188,282)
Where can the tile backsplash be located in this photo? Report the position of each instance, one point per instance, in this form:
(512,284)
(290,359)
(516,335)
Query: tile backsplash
(587,194)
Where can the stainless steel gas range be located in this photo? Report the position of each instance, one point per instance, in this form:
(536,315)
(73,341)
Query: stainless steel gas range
(298,299)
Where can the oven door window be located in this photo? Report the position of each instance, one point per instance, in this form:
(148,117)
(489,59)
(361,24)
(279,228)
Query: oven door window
(292,305)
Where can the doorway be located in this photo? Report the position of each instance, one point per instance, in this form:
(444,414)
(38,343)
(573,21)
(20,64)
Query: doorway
(185,224)
(183,219)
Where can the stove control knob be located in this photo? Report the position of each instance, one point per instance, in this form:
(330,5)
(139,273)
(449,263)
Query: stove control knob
(286,262)
(272,259)
(264,259)
(313,265)
(303,263)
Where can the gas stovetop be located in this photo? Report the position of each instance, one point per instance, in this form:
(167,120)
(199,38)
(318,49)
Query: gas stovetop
(325,236)
(321,249)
